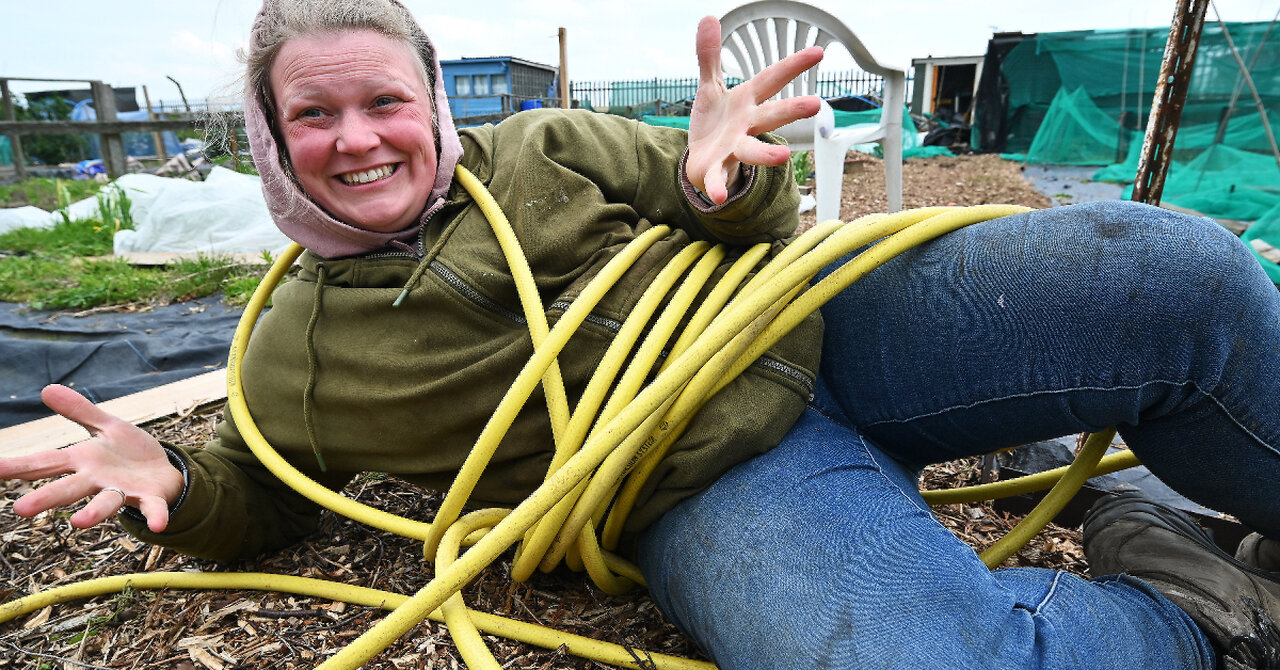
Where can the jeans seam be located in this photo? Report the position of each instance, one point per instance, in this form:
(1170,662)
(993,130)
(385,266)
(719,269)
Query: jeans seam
(824,414)
(862,442)
(1053,588)
(1239,424)
(880,470)
(1195,385)
(1028,394)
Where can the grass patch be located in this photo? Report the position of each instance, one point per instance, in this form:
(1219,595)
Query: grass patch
(62,281)
(47,194)
(239,288)
(86,237)
(69,266)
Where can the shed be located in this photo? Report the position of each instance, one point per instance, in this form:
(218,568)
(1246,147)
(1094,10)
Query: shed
(483,90)
(945,85)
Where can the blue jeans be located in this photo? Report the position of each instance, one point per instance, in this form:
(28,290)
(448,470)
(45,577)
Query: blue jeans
(821,553)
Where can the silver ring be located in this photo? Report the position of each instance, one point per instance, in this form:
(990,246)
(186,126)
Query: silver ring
(123,497)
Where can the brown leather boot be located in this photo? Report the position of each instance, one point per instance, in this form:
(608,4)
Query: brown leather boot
(1237,605)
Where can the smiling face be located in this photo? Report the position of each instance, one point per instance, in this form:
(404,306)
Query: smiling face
(355,116)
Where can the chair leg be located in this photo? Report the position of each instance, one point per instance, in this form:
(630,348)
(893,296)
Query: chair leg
(828,160)
(892,149)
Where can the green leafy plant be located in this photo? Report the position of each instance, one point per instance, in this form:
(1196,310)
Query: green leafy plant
(115,210)
(73,283)
(241,164)
(801,167)
(239,290)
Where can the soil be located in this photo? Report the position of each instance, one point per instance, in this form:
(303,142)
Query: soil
(980,179)
(246,629)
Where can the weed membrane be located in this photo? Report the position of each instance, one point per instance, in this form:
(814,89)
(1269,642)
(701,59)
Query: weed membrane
(106,354)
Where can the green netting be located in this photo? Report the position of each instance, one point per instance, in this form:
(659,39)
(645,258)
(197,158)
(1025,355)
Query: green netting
(910,139)
(1117,71)
(1076,132)
(1083,98)
(1221,181)
(1226,182)
(6,154)
(925,152)
(668,121)
(1126,171)
(1266,229)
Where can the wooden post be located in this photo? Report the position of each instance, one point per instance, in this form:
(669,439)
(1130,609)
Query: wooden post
(15,142)
(113,157)
(1171,93)
(182,95)
(234,145)
(156,135)
(565,102)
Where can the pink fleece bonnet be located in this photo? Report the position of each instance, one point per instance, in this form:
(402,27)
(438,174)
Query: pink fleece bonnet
(300,218)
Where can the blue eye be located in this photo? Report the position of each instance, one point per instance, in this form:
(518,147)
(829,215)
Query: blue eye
(309,113)
(384,100)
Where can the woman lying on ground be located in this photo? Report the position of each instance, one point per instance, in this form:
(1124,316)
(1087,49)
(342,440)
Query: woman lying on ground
(789,509)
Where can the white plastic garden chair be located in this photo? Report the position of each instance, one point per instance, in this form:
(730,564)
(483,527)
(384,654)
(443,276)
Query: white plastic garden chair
(758,34)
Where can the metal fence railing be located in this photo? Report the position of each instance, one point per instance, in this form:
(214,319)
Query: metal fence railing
(196,106)
(632,97)
(671,95)
(664,96)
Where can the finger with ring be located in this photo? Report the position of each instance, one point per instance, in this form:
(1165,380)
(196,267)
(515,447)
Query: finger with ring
(123,497)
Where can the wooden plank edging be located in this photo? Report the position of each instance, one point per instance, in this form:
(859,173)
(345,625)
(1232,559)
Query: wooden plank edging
(55,432)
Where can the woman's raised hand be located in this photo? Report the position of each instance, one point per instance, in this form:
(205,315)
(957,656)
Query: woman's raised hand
(724,123)
(119,464)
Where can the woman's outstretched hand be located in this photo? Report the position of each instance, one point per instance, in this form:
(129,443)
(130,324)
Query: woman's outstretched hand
(724,123)
(119,464)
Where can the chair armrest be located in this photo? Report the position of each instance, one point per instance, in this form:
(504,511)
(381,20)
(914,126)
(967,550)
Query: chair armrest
(824,122)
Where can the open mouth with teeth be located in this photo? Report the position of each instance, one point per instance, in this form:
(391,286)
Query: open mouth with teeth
(369,176)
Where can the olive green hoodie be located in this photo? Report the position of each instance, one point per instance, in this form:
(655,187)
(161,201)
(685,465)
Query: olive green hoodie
(406,390)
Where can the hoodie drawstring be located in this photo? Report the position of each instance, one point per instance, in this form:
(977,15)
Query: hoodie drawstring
(413,280)
(308,394)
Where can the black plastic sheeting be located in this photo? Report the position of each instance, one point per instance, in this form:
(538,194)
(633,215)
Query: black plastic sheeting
(992,100)
(1041,456)
(109,354)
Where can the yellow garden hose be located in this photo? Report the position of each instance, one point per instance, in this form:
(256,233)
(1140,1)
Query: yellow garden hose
(610,442)
(520,631)
(1027,484)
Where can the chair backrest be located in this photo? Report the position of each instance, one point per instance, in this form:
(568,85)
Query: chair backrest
(759,34)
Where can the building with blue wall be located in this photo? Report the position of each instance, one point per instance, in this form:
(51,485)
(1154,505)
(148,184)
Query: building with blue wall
(485,90)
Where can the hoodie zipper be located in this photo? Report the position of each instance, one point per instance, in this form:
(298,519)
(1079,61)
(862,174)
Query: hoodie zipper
(474,295)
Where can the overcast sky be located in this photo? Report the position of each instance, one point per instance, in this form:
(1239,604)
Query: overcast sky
(141,42)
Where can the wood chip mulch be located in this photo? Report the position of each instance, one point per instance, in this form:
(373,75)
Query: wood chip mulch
(220,630)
